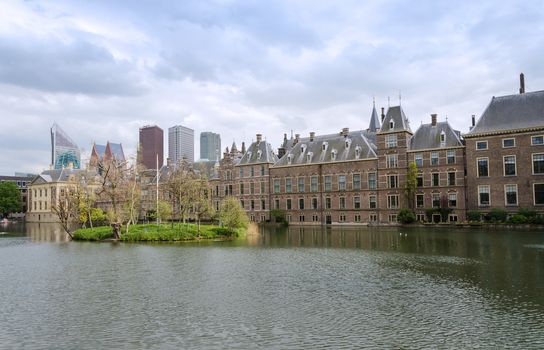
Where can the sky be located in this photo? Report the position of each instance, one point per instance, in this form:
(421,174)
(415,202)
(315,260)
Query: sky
(102,69)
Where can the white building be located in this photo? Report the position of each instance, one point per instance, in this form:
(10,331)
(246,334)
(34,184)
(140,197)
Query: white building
(181,144)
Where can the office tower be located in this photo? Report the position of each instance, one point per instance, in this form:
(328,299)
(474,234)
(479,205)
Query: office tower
(151,146)
(181,144)
(210,145)
(64,151)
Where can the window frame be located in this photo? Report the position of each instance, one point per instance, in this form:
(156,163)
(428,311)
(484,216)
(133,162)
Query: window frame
(478,167)
(435,160)
(506,204)
(533,163)
(356,182)
(481,142)
(488,193)
(534,194)
(537,136)
(508,139)
(448,157)
(504,165)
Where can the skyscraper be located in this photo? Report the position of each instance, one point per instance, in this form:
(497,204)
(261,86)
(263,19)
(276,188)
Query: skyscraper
(210,145)
(151,146)
(181,143)
(64,151)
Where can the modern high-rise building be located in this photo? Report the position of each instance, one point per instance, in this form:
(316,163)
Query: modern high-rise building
(64,151)
(210,145)
(181,144)
(151,146)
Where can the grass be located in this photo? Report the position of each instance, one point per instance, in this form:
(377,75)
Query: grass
(155,233)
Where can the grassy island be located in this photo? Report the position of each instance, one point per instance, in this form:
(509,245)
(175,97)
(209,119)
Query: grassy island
(157,233)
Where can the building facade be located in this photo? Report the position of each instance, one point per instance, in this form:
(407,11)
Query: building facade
(181,144)
(151,147)
(64,151)
(210,146)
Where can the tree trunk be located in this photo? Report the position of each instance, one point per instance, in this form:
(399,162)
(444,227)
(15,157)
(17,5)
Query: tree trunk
(116,228)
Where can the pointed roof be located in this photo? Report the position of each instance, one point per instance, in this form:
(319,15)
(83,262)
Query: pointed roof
(396,115)
(116,150)
(233,148)
(427,136)
(259,152)
(374,124)
(512,112)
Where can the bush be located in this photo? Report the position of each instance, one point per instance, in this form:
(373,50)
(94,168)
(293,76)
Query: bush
(474,215)
(497,215)
(528,213)
(518,219)
(406,216)
(278,215)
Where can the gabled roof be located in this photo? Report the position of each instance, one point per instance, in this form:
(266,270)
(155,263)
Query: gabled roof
(322,147)
(396,115)
(259,152)
(427,136)
(100,149)
(57,175)
(116,150)
(511,112)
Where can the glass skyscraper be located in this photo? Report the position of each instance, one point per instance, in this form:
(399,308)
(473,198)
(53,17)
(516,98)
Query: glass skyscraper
(181,144)
(210,146)
(64,151)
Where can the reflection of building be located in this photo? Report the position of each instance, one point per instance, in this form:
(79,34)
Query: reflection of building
(22,183)
(151,147)
(181,144)
(210,145)
(64,151)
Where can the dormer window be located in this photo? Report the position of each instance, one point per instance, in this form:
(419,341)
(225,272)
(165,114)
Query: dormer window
(248,155)
(302,149)
(259,153)
(348,143)
(333,154)
(309,157)
(324,146)
(357,152)
(391,124)
(289,158)
(442,139)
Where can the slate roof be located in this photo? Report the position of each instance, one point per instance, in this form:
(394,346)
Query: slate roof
(374,124)
(320,154)
(58,175)
(259,152)
(427,136)
(117,151)
(400,121)
(511,112)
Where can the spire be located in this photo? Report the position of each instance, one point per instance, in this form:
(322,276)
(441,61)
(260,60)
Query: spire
(233,148)
(374,125)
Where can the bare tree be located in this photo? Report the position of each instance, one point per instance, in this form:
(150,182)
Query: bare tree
(198,194)
(114,188)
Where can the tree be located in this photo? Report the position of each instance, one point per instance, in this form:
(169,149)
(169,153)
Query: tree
(198,195)
(10,198)
(411,184)
(232,215)
(165,211)
(67,210)
(406,216)
(177,187)
(114,185)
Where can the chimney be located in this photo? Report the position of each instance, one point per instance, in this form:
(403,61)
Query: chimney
(243,148)
(473,121)
(281,152)
(521,83)
(383,114)
(433,119)
(259,138)
(345,132)
(284,137)
(297,136)
(312,135)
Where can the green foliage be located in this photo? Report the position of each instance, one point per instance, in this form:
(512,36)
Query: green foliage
(165,211)
(279,216)
(406,216)
(93,234)
(497,215)
(411,184)
(232,215)
(10,198)
(98,216)
(518,219)
(474,215)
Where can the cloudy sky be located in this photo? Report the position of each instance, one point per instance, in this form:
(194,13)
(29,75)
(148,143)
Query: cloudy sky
(102,69)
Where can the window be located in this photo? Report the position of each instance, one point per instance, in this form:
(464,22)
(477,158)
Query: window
(342,217)
(483,195)
(538,194)
(451,178)
(288,185)
(301,218)
(511,194)
(314,203)
(341,182)
(434,158)
(419,160)
(420,201)
(357,218)
(241,188)
(252,204)
(371,181)
(342,202)
(251,172)
(420,217)
(483,167)
(373,218)
(276,185)
(252,188)
(452,200)
(242,204)
(333,154)
(328,183)
(508,143)
(289,158)
(393,217)
(324,146)
(356,181)
(315,218)
(442,139)
(538,163)
(372,202)
(328,204)
(241,172)
(436,200)
(289,204)
(301,203)
(391,160)
(357,202)
(419,179)
(390,141)
(277,203)
(509,165)
(357,152)
(393,201)
(263,204)
(391,124)
(301,184)
(435,179)
(393,181)
(313,184)
(480,145)
(537,140)
(450,156)
(262,170)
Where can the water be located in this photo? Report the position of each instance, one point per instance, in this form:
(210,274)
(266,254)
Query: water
(282,288)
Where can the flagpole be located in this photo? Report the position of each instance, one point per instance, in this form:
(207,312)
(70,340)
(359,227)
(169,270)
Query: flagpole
(157,190)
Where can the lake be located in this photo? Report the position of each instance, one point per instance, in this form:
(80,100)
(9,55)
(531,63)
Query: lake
(283,288)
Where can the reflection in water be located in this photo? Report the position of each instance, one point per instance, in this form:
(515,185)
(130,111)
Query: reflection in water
(292,287)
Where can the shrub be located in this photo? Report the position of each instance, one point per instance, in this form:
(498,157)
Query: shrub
(406,216)
(497,215)
(518,219)
(528,213)
(474,215)
(278,215)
